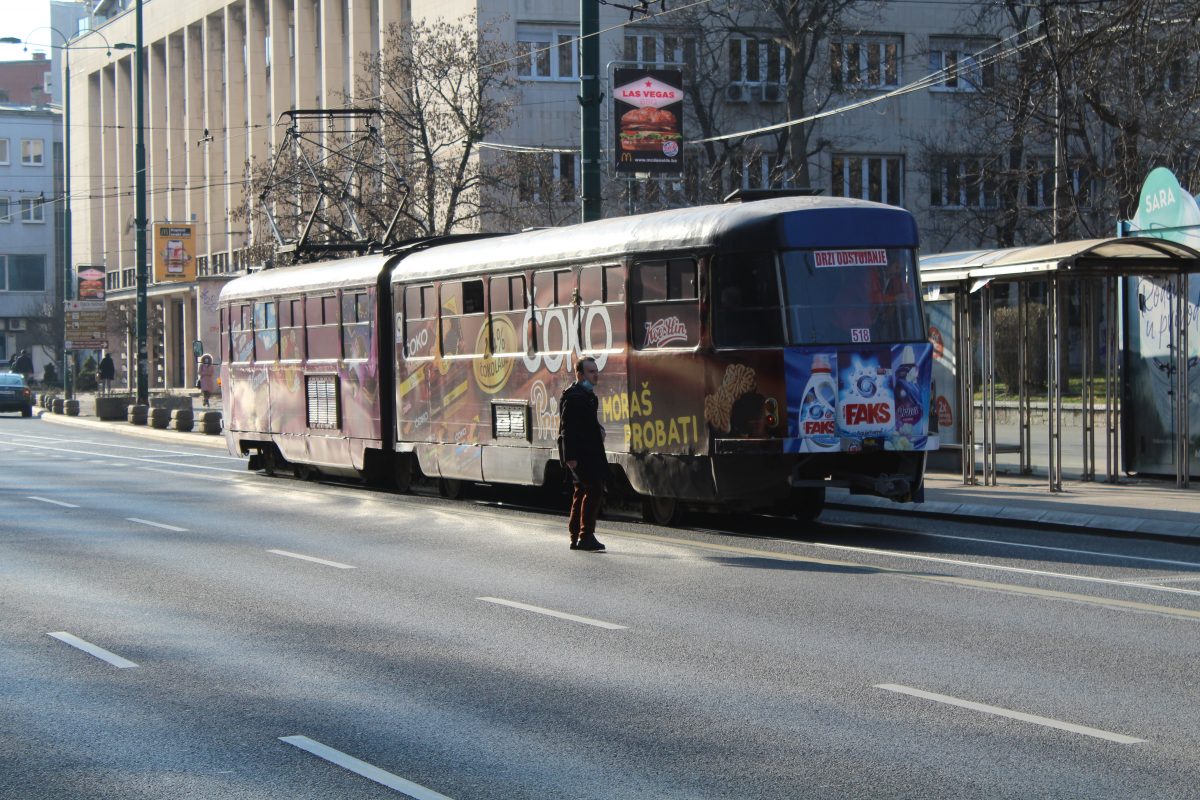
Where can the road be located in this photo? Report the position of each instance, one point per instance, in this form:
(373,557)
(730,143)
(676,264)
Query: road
(269,638)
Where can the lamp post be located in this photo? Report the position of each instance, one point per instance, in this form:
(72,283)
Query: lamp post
(67,374)
(139,166)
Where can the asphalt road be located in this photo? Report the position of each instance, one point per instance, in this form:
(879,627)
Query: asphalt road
(270,638)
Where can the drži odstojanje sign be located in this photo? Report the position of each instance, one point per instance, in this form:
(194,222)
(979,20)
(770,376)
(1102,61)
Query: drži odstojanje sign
(648,120)
(174,252)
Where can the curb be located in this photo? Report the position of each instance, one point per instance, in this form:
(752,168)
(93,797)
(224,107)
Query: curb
(215,441)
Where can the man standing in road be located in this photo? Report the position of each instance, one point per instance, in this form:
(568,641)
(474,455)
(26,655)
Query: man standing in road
(582,448)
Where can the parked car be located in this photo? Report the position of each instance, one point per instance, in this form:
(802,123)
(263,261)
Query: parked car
(15,395)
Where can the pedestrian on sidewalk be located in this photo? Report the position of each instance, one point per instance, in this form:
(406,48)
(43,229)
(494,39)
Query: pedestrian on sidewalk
(106,372)
(206,380)
(23,363)
(581,448)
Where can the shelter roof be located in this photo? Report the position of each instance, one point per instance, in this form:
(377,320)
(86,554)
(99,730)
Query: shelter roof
(1086,258)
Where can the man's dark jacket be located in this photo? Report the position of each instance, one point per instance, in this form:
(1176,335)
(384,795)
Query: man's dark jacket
(582,437)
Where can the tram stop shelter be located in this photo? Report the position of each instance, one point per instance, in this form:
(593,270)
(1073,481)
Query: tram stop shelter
(1084,278)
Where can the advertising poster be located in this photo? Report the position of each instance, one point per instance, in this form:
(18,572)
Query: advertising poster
(648,120)
(940,316)
(89,282)
(851,400)
(174,252)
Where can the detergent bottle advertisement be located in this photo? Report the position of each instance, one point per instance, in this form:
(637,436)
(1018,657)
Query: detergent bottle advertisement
(850,400)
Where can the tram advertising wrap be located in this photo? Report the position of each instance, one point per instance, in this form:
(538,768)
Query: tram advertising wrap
(851,400)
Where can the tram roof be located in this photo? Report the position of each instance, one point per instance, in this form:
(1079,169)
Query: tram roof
(1082,258)
(320,276)
(787,221)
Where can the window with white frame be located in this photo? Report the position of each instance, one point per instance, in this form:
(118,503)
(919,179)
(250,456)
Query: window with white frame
(865,62)
(962,65)
(3,152)
(554,178)
(547,52)
(1039,183)
(655,48)
(5,211)
(32,210)
(756,61)
(32,154)
(759,171)
(868,177)
(963,182)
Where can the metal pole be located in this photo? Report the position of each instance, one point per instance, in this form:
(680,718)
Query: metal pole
(67,376)
(139,165)
(1087,392)
(1023,411)
(589,100)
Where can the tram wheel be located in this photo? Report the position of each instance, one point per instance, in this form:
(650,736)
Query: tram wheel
(807,504)
(450,488)
(663,511)
(304,472)
(270,461)
(402,474)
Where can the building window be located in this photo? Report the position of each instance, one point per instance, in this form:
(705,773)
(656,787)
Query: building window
(1039,184)
(963,66)
(547,53)
(963,182)
(5,211)
(756,61)
(32,152)
(865,63)
(876,178)
(32,210)
(4,152)
(657,48)
(759,171)
(23,273)
(553,175)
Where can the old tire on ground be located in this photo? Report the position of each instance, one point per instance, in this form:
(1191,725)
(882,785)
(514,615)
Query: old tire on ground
(664,511)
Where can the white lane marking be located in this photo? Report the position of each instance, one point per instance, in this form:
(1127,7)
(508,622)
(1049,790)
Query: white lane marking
(1169,579)
(358,767)
(157,525)
(1000,568)
(1018,715)
(51,453)
(550,613)
(27,440)
(52,502)
(190,476)
(1072,551)
(337,564)
(91,649)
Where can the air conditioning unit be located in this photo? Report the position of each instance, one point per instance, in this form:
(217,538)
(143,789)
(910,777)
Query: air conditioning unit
(16,324)
(772,93)
(737,93)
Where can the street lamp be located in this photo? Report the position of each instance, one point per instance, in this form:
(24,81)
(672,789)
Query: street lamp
(67,374)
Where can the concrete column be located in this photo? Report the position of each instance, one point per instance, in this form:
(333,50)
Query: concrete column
(118,181)
(258,76)
(333,79)
(237,147)
(192,121)
(282,88)
(398,11)
(308,90)
(363,29)
(158,133)
(177,149)
(88,170)
(216,238)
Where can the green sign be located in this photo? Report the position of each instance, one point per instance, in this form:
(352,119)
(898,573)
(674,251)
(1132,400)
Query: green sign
(1166,210)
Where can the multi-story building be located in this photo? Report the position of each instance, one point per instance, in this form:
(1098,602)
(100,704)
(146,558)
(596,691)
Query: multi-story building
(31,225)
(882,104)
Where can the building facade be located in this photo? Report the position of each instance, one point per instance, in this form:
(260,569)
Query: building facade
(887,92)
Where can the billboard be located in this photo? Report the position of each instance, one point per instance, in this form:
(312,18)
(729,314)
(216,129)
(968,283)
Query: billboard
(85,324)
(174,252)
(648,120)
(89,282)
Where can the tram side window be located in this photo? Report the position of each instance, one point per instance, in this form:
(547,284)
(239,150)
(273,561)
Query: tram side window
(225,349)
(291,330)
(745,301)
(321,324)
(266,331)
(243,333)
(420,322)
(552,293)
(356,325)
(605,286)
(666,305)
(462,318)
(508,302)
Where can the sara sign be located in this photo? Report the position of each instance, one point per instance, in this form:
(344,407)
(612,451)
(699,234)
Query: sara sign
(648,115)
(174,252)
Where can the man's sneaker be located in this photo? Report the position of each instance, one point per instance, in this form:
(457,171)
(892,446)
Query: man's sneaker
(593,544)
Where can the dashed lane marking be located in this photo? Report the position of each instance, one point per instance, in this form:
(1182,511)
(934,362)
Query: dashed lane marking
(52,502)
(162,525)
(612,626)
(313,559)
(91,649)
(359,767)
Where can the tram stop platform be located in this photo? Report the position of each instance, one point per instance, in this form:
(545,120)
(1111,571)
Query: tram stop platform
(1136,506)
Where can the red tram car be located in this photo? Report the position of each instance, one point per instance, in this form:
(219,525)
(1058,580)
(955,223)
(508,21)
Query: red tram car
(751,353)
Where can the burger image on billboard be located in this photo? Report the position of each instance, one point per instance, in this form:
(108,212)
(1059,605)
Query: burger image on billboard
(648,129)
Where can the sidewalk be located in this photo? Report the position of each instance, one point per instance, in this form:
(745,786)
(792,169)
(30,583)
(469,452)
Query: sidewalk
(1135,505)
(87,418)
(1145,506)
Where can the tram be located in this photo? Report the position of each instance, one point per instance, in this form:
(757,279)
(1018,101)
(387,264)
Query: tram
(751,354)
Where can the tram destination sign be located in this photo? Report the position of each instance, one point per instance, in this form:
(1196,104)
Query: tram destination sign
(86,325)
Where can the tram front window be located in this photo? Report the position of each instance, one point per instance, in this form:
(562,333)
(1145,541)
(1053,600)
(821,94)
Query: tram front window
(851,296)
(746,301)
